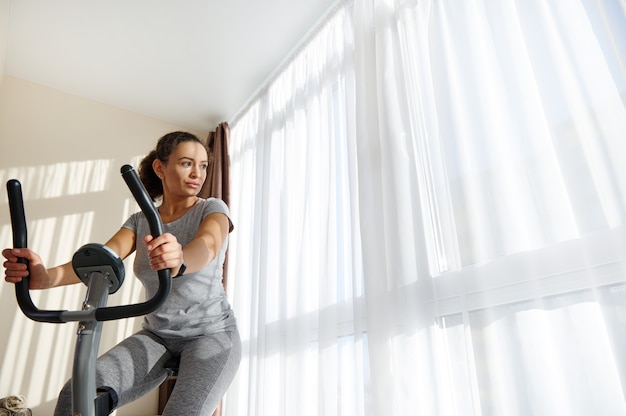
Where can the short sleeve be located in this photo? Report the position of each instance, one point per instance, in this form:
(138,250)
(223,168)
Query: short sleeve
(216,205)
(132,223)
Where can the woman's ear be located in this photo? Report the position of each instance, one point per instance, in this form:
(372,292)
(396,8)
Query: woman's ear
(157,166)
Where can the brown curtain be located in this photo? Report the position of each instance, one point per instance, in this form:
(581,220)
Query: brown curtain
(217,184)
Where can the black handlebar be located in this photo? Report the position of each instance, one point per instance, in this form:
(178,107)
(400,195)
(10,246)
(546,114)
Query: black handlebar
(18,222)
(20,240)
(156,229)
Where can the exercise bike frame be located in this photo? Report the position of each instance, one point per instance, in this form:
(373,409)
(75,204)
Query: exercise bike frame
(103,272)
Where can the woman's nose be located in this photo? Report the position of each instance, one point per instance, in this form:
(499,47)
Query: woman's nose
(196,171)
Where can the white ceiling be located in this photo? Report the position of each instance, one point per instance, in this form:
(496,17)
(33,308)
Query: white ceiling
(190,62)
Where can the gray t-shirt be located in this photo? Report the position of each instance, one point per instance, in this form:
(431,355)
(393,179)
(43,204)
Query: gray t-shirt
(197,304)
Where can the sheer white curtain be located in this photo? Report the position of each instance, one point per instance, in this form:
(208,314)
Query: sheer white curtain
(430,209)
(295,257)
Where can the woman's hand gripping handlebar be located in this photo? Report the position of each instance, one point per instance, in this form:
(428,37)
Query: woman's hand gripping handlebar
(18,223)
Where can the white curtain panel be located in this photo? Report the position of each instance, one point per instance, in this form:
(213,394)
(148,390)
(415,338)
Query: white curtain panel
(430,209)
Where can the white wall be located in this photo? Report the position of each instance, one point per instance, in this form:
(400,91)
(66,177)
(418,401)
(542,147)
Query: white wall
(67,152)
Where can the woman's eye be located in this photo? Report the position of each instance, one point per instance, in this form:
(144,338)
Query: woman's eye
(204,167)
(186,164)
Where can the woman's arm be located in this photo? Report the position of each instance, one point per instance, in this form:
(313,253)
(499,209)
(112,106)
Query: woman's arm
(123,243)
(206,244)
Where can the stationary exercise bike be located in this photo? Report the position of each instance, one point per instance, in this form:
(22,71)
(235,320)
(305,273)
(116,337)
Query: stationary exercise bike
(102,271)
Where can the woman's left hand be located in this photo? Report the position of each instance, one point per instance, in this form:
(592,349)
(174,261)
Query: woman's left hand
(164,251)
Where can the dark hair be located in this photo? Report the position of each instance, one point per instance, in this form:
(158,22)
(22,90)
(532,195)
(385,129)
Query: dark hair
(164,148)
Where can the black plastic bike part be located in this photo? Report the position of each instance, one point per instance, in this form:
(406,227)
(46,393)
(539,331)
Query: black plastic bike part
(102,404)
(106,400)
(18,223)
(98,258)
(20,240)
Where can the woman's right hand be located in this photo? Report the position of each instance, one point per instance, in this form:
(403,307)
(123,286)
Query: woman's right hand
(15,271)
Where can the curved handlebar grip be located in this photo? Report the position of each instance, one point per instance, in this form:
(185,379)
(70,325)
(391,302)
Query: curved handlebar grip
(143,199)
(20,239)
(156,228)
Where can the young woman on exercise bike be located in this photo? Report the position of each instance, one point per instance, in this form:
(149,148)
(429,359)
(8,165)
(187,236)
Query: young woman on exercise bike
(196,323)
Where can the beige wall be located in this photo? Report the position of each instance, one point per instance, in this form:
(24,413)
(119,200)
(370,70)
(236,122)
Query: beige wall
(67,152)
(4,31)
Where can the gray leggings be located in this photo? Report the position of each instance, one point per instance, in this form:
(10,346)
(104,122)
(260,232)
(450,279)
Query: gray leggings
(136,366)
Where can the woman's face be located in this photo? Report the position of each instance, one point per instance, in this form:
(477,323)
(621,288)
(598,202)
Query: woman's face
(185,171)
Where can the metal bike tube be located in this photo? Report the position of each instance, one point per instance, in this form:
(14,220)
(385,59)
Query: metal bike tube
(86,350)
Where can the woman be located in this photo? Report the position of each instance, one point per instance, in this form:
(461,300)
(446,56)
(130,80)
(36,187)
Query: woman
(196,322)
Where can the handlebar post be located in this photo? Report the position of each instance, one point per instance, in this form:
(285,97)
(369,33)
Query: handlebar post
(87,342)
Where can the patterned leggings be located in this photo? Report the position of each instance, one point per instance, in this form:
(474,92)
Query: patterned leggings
(135,366)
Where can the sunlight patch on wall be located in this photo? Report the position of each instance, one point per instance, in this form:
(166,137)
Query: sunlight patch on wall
(17,355)
(60,179)
(88,176)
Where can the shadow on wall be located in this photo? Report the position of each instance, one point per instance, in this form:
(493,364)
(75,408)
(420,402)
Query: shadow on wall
(67,205)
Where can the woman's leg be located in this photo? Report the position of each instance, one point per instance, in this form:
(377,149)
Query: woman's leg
(131,369)
(207,367)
